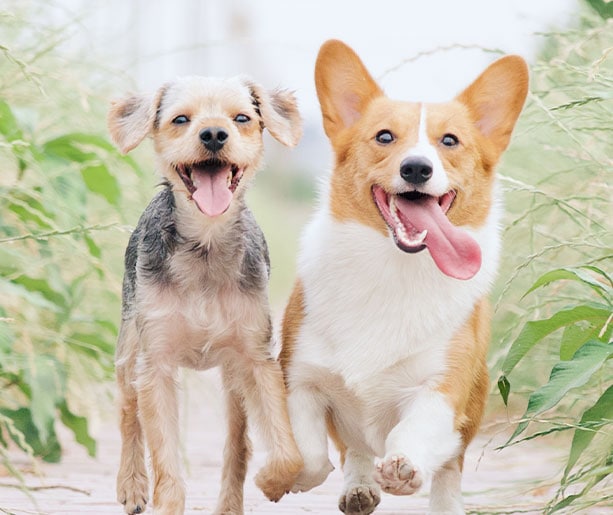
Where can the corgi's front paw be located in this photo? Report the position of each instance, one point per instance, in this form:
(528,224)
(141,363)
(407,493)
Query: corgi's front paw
(397,475)
(359,500)
(312,475)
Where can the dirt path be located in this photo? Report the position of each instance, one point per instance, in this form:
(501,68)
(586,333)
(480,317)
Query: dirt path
(494,482)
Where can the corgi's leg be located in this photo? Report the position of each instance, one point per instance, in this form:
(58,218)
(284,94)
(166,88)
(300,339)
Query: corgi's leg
(446,490)
(237,451)
(419,444)
(307,411)
(361,493)
(264,392)
(132,481)
(158,407)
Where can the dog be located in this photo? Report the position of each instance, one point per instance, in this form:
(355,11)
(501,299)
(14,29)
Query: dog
(195,286)
(385,333)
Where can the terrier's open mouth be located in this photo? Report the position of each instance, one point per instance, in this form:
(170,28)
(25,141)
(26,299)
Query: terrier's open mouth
(418,221)
(211,184)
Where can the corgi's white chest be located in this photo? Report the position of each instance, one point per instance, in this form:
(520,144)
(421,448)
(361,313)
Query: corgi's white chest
(368,305)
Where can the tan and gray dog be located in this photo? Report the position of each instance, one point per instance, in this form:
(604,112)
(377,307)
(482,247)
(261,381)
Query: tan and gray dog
(195,287)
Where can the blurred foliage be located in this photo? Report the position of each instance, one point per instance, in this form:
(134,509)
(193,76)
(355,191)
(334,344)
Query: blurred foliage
(65,194)
(555,307)
(60,198)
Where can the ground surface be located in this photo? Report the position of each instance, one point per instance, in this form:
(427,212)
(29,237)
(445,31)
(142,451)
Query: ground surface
(494,482)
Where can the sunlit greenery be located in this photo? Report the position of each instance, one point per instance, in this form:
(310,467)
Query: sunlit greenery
(68,201)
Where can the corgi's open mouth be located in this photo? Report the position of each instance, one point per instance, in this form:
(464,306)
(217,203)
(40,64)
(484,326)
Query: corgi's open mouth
(420,221)
(211,184)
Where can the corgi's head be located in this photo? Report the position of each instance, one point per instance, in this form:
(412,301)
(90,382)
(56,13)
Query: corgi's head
(422,172)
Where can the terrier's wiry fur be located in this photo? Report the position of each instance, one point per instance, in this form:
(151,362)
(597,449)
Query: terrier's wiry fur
(195,287)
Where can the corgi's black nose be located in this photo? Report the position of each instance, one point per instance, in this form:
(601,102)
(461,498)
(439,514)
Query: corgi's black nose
(416,169)
(213,138)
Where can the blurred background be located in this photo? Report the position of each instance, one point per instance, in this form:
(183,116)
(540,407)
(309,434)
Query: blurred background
(68,200)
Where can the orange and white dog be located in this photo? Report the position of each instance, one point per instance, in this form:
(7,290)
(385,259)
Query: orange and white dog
(386,332)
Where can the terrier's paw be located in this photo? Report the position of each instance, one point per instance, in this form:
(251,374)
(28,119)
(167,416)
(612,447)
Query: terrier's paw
(169,496)
(133,493)
(276,478)
(397,475)
(359,500)
(312,476)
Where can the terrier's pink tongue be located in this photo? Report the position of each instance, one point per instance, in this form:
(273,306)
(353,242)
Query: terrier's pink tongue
(212,195)
(453,250)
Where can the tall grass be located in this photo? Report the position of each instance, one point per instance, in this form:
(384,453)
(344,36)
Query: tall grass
(555,303)
(61,203)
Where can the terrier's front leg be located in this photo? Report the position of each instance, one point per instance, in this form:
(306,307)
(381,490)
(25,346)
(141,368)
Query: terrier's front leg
(158,407)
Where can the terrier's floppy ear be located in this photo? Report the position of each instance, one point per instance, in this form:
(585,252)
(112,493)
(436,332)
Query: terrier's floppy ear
(344,86)
(496,98)
(131,118)
(279,113)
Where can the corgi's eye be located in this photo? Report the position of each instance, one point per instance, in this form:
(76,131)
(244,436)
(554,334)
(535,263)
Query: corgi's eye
(180,120)
(384,137)
(241,118)
(449,140)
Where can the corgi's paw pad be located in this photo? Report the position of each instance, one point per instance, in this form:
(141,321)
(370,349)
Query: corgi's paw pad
(397,475)
(359,500)
(312,476)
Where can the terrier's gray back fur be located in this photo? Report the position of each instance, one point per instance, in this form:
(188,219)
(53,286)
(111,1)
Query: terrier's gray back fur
(239,256)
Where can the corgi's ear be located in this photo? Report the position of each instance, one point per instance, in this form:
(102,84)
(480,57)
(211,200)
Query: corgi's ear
(131,118)
(496,98)
(279,111)
(344,86)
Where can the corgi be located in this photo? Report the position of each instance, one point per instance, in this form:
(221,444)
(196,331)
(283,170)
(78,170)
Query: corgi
(385,335)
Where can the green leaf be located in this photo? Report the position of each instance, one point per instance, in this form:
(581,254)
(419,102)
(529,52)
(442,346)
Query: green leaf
(44,288)
(579,274)
(99,180)
(9,127)
(93,248)
(603,7)
(78,425)
(575,336)
(92,345)
(32,297)
(29,209)
(504,387)
(601,410)
(44,381)
(536,330)
(64,148)
(565,376)
(48,450)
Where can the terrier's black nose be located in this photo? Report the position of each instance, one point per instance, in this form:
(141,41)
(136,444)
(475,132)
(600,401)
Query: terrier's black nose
(416,169)
(213,138)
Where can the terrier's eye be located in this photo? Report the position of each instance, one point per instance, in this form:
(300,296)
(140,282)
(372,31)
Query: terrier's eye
(241,118)
(180,120)
(449,140)
(384,137)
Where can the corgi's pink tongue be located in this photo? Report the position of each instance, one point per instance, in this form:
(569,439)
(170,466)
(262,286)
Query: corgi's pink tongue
(453,250)
(213,194)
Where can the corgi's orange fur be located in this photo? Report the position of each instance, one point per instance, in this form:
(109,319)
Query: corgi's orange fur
(386,332)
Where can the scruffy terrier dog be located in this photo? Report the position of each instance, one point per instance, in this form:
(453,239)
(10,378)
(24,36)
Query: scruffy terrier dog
(195,287)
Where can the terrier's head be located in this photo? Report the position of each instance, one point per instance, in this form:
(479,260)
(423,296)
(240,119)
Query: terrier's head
(207,133)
